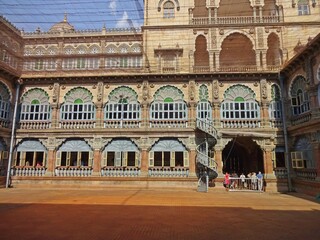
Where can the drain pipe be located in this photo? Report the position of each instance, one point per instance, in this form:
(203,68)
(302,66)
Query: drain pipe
(285,133)
(13,129)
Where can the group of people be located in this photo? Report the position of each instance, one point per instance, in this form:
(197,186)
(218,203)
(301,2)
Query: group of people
(252,181)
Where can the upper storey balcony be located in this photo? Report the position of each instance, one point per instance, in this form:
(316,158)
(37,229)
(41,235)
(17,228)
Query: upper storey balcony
(226,12)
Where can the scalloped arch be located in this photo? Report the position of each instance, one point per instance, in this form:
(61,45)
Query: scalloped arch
(119,145)
(72,145)
(78,93)
(81,49)
(94,46)
(168,92)
(239,91)
(168,145)
(123,92)
(5,94)
(35,93)
(299,82)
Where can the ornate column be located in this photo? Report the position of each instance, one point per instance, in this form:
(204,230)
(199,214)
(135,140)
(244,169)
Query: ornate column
(218,159)
(96,162)
(217,60)
(192,162)
(55,106)
(145,105)
(51,144)
(192,104)
(99,105)
(144,157)
(96,144)
(216,103)
(211,61)
(267,162)
(264,104)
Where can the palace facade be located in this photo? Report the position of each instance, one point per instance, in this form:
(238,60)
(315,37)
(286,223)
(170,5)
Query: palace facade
(202,84)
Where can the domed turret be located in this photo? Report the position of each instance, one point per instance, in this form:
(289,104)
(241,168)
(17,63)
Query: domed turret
(62,26)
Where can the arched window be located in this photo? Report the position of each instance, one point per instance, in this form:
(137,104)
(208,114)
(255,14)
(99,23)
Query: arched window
(35,106)
(275,104)
(168,9)
(168,105)
(204,108)
(30,153)
(4,103)
(302,156)
(78,105)
(168,153)
(303,7)
(299,96)
(121,153)
(239,103)
(76,153)
(122,109)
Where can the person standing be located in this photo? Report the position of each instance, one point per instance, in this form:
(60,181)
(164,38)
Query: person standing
(226,181)
(242,179)
(260,181)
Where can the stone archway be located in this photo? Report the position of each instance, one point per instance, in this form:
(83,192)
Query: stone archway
(242,155)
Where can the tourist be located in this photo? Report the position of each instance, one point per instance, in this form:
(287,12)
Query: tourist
(242,180)
(260,181)
(226,181)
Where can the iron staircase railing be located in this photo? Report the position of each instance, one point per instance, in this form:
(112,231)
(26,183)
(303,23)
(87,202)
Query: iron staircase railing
(206,165)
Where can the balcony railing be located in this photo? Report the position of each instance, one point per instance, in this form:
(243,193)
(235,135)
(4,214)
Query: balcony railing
(73,171)
(307,173)
(281,172)
(302,118)
(127,171)
(168,172)
(274,123)
(168,123)
(35,124)
(84,124)
(122,123)
(240,123)
(28,171)
(234,20)
(4,123)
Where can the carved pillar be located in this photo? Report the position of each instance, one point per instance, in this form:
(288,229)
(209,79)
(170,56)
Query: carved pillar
(216,104)
(215,14)
(254,14)
(211,61)
(258,62)
(144,162)
(264,59)
(260,14)
(55,116)
(192,104)
(192,162)
(267,162)
(96,162)
(217,60)
(99,116)
(264,105)
(218,159)
(51,162)
(145,104)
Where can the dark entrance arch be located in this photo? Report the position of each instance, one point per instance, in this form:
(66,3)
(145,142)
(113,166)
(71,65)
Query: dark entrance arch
(242,155)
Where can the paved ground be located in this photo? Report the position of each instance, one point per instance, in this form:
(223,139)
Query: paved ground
(155,214)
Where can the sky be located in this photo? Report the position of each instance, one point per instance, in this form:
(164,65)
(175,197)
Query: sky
(82,14)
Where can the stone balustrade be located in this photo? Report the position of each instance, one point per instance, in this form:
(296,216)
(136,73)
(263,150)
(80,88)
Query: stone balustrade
(34,124)
(168,172)
(28,171)
(234,20)
(302,118)
(122,124)
(281,172)
(83,124)
(128,171)
(168,123)
(240,123)
(306,173)
(73,171)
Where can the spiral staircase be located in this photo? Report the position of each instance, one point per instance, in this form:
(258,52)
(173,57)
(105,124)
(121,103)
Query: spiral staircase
(206,165)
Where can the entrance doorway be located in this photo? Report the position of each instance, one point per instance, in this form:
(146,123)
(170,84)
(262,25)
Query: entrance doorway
(242,155)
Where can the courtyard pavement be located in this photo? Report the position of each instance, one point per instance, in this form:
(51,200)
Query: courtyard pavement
(124,213)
